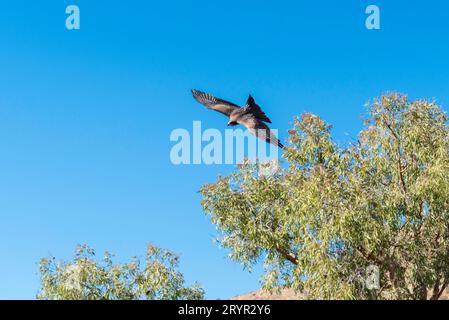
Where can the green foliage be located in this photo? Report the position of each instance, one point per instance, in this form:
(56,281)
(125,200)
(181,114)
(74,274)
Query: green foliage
(333,210)
(86,279)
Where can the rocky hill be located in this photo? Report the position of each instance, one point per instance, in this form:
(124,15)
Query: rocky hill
(288,294)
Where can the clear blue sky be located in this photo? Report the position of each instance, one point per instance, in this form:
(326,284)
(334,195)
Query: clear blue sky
(85,116)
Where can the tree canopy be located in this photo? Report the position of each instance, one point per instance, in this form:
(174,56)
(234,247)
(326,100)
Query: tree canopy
(331,211)
(85,278)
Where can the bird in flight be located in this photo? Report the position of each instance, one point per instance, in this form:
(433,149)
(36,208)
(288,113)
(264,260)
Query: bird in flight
(251,115)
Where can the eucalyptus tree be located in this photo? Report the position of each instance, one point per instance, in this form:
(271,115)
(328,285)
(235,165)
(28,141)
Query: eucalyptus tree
(333,211)
(86,278)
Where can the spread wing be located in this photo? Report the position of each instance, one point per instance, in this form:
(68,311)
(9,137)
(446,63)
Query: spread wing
(252,107)
(213,103)
(261,131)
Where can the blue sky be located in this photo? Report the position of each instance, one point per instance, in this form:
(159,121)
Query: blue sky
(86,115)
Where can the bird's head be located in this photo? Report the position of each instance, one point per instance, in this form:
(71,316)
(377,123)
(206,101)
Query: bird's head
(232,123)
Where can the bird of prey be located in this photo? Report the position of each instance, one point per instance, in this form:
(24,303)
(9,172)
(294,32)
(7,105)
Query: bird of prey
(251,115)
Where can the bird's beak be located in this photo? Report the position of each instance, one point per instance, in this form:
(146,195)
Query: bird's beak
(229,123)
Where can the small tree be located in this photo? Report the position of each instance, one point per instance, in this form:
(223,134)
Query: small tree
(380,201)
(86,279)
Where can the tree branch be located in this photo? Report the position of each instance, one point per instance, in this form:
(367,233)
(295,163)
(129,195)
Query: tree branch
(436,289)
(443,287)
(369,256)
(288,255)
(400,168)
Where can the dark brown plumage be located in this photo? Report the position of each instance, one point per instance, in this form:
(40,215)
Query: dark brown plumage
(251,115)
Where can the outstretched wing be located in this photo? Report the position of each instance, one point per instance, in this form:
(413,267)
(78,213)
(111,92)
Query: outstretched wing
(214,103)
(261,131)
(252,107)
